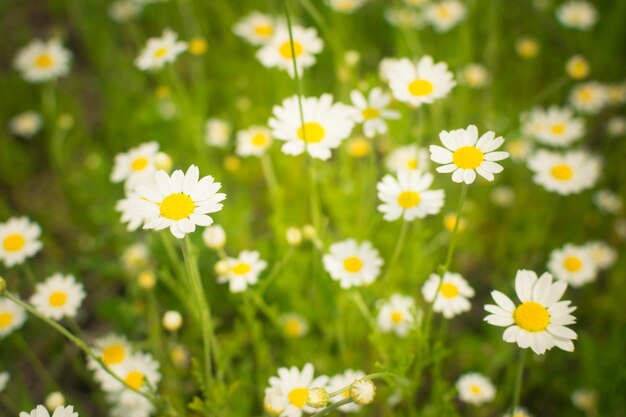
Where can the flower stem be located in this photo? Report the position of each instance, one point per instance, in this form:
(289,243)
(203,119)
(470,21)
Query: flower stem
(332,407)
(397,249)
(517,389)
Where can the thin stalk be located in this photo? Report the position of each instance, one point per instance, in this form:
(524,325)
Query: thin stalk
(397,249)
(332,407)
(39,367)
(517,389)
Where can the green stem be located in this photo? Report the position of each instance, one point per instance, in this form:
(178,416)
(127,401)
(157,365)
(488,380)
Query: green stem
(455,230)
(397,249)
(332,407)
(367,315)
(39,367)
(517,389)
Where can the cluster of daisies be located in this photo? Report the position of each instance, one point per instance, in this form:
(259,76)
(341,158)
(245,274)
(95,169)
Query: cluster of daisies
(442,15)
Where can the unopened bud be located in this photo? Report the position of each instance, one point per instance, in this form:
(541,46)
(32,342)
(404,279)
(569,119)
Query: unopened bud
(172,320)
(163,161)
(317,397)
(309,232)
(214,237)
(363,391)
(54,400)
(147,280)
(222,267)
(294,236)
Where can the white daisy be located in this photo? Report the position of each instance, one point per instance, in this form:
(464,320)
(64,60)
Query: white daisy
(603,255)
(256,28)
(60,411)
(12,316)
(616,126)
(217,132)
(43,61)
(465,154)
(540,321)
(421,82)
(129,215)
(451,295)
(397,315)
(254,141)
(160,51)
(573,264)
(278,53)
(346,6)
(58,296)
(553,126)
(408,158)
(404,17)
(294,325)
(475,388)
(113,349)
(408,196)
(26,124)
(291,388)
(139,371)
(565,173)
(475,75)
(577,14)
(353,264)
(243,270)
(326,124)
(589,97)
(19,240)
(180,201)
(135,166)
(445,14)
(608,201)
(342,380)
(373,111)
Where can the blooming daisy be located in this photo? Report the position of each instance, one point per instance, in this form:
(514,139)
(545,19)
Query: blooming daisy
(577,14)
(256,28)
(243,270)
(294,325)
(135,166)
(129,216)
(254,141)
(291,389)
(160,51)
(475,75)
(445,14)
(373,111)
(19,239)
(573,264)
(475,388)
(342,380)
(553,126)
(608,201)
(326,124)
(60,411)
(465,154)
(345,6)
(217,132)
(589,97)
(603,255)
(451,295)
(577,67)
(421,82)
(353,264)
(408,196)
(114,350)
(58,296)
(565,173)
(43,61)
(26,124)
(12,316)
(408,158)
(278,53)
(180,201)
(139,371)
(540,321)
(397,315)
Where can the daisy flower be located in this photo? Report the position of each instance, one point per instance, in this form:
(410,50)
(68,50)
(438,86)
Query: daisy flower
(243,270)
(475,75)
(577,14)
(256,28)
(12,316)
(373,111)
(291,388)
(577,67)
(421,82)
(608,201)
(343,380)
(217,132)
(445,14)
(540,321)
(26,124)
(19,240)
(408,158)
(113,349)
(294,325)
(465,154)
(140,371)
(397,315)
(254,141)
(475,388)
(60,411)
(135,166)
(451,295)
(404,17)
(589,97)
(573,264)
(565,173)
(277,53)
(179,202)
(43,61)
(553,126)
(345,6)
(408,196)
(214,237)
(353,264)
(58,296)
(603,255)
(326,124)
(160,51)
(129,216)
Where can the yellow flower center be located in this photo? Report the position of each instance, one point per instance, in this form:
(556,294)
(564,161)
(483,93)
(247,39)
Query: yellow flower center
(579,69)
(113,354)
(562,172)
(14,242)
(475,389)
(448,290)
(531,316)
(468,157)
(285,49)
(57,299)
(370,113)
(313,132)
(408,199)
(6,319)
(43,61)
(264,30)
(443,11)
(585,95)
(411,163)
(259,139)
(198,46)
(139,164)
(558,128)
(134,379)
(420,87)
(177,206)
(396,317)
(160,53)
(352,264)
(572,263)
(241,268)
(293,328)
(346,393)
(297,397)
(358,147)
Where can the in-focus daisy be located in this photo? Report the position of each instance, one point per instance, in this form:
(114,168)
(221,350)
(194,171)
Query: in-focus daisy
(577,14)
(135,166)
(589,97)
(43,61)
(342,380)
(372,111)
(608,201)
(573,264)
(565,173)
(291,388)
(577,67)
(26,124)
(58,296)
(12,316)
(553,126)
(397,315)
(475,388)
(345,6)
(465,154)
(445,14)
(278,53)
(475,75)
(540,321)
(60,411)
(294,325)
(217,132)
(256,28)
(421,82)
(243,270)
(179,202)
(408,196)
(353,264)
(160,51)
(326,124)
(19,240)
(408,158)
(254,141)
(451,295)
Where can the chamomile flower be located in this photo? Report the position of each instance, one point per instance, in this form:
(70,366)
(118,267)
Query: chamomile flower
(12,316)
(278,53)
(291,389)
(58,296)
(404,17)
(217,132)
(342,380)
(254,141)
(326,125)
(4,380)
(179,202)
(294,325)
(603,255)
(565,173)
(553,126)
(475,388)
(408,196)
(243,270)
(114,350)
(43,61)
(421,82)
(475,75)
(465,154)
(129,216)
(373,111)
(345,6)
(577,14)
(573,264)
(19,240)
(608,201)
(450,295)
(353,264)
(408,158)
(160,51)
(446,14)
(540,321)
(577,67)
(135,166)
(397,315)
(60,411)
(256,28)
(26,124)
(589,97)
(138,372)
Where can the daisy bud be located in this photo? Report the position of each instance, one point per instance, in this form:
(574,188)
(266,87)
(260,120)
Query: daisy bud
(54,400)
(527,47)
(362,391)
(309,232)
(584,399)
(172,320)
(222,267)
(317,397)
(3,285)
(162,91)
(147,280)
(294,236)
(214,237)
(163,161)
(577,67)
